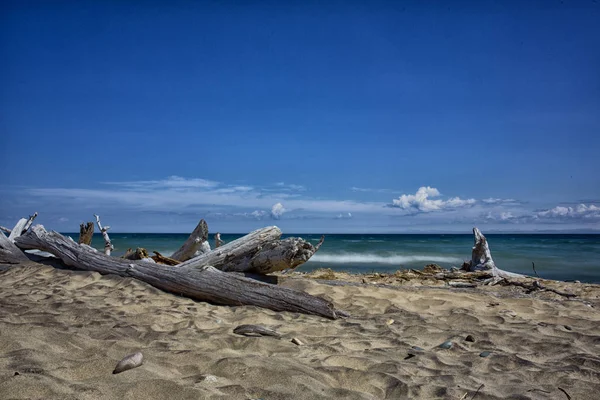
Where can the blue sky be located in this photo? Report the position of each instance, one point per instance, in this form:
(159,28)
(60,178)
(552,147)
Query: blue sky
(316,117)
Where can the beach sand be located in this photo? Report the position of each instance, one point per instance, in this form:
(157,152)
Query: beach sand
(62,333)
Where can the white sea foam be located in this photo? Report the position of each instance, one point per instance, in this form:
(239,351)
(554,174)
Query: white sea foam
(367,258)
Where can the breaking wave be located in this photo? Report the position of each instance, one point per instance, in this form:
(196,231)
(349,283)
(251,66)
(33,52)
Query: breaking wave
(367,258)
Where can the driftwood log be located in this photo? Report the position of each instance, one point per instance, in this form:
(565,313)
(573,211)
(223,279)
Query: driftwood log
(205,283)
(481,259)
(9,252)
(193,244)
(86,233)
(260,252)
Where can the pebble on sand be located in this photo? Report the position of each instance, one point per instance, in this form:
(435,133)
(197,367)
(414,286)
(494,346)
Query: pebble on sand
(131,361)
(485,353)
(446,345)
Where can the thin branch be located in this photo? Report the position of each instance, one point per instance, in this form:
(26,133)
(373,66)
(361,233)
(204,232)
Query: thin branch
(534,271)
(478,389)
(108,247)
(565,392)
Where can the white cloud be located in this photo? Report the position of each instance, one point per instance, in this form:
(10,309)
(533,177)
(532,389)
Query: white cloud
(370,190)
(502,217)
(277,210)
(258,214)
(290,186)
(581,211)
(422,202)
(344,216)
(170,182)
(492,200)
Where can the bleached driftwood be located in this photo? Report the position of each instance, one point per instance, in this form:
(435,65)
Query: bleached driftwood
(5,230)
(29,222)
(206,283)
(108,247)
(21,227)
(193,243)
(481,259)
(260,252)
(218,241)
(86,233)
(9,252)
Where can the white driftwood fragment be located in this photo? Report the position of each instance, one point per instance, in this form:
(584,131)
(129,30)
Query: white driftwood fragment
(218,241)
(193,243)
(29,222)
(205,283)
(131,361)
(16,231)
(297,342)
(108,247)
(260,252)
(481,258)
(5,230)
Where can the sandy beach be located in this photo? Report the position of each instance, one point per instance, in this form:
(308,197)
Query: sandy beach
(62,333)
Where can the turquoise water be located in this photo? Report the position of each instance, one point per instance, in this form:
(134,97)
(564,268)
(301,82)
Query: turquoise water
(562,257)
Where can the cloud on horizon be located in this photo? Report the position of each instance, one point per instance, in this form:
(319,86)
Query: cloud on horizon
(176,198)
(422,201)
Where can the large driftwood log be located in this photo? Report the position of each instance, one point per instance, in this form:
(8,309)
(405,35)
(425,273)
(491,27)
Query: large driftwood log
(481,259)
(86,233)
(206,283)
(108,247)
(260,252)
(9,252)
(193,243)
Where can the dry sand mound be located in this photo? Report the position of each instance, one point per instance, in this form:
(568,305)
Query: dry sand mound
(63,332)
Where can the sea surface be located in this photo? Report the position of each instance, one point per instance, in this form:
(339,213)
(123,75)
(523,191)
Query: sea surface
(561,257)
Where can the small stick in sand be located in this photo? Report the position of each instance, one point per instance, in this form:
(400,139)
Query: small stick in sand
(565,392)
(478,389)
(254,330)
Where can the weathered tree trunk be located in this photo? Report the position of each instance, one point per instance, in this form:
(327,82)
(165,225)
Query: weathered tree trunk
(86,233)
(259,252)
(108,247)
(193,243)
(206,283)
(481,258)
(9,252)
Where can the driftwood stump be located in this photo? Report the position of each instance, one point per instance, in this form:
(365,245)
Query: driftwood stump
(86,233)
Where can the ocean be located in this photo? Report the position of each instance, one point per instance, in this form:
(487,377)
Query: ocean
(556,256)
